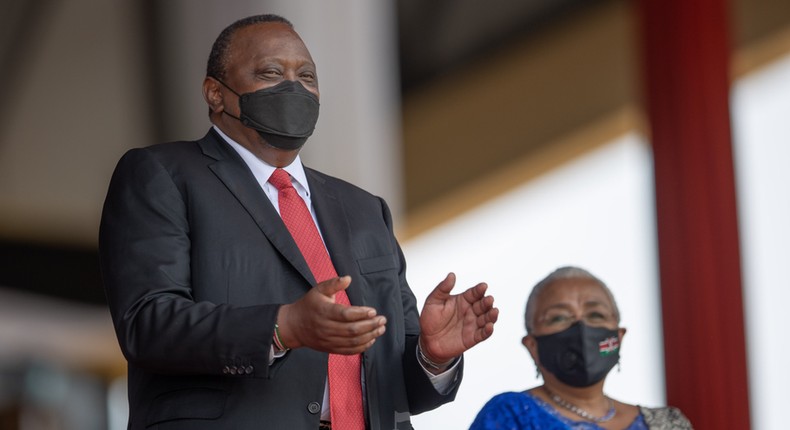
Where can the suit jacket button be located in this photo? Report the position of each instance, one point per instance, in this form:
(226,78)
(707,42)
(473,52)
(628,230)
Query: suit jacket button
(226,370)
(314,407)
(249,369)
(233,370)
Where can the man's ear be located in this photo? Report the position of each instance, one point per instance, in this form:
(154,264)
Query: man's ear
(213,95)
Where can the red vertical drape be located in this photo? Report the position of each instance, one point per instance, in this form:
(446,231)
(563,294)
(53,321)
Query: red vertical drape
(686,63)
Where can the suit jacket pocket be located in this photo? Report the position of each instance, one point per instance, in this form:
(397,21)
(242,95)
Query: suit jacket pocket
(377,264)
(188,403)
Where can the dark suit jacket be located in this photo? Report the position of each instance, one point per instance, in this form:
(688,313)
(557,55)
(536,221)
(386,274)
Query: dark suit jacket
(196,262)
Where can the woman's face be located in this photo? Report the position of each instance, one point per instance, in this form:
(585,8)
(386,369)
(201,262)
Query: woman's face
(566,301)
(557,307)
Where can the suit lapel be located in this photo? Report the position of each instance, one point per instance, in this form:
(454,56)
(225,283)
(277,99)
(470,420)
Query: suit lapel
(231,170)
(333,222)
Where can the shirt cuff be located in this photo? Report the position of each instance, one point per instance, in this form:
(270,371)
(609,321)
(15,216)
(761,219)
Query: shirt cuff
(443,382)
(275,353)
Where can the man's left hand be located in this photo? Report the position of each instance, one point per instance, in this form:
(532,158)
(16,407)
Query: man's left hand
(451,324)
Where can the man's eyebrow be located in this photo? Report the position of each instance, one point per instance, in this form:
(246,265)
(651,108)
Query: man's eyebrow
(274,58)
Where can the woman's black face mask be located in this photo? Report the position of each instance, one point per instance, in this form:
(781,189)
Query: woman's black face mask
(580,355)
(284,115)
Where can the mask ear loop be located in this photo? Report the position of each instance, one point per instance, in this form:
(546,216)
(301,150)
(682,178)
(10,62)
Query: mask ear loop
(234,92)
(225,85)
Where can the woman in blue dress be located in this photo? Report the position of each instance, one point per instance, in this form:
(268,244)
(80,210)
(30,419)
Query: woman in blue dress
(574,337)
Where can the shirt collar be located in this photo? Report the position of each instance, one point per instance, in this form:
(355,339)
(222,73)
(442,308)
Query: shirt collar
(263,170)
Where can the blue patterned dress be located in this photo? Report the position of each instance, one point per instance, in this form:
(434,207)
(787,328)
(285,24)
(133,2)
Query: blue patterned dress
(523,411)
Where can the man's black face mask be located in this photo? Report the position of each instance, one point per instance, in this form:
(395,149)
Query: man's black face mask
(579,355)
(284,115)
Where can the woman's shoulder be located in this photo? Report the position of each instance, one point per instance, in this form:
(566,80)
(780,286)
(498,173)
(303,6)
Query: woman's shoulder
(666,418)
(510,396)
(514,400)
(510,400)
(513,410)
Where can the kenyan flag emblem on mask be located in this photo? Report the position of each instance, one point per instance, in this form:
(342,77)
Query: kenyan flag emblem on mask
(608,346)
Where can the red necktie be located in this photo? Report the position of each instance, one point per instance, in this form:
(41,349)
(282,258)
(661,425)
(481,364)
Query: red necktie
(345,386)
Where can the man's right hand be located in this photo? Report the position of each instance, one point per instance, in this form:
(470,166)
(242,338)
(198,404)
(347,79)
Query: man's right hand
(316,321)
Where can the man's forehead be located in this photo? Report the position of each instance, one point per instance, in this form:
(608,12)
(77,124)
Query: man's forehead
(275,39)
(263,32)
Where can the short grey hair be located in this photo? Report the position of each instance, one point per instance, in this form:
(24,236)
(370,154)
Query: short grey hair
(566,272)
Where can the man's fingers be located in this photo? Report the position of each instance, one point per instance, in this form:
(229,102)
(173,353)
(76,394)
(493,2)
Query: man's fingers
(316,317)
(331,286)
(488,317)
(359,337)
(442,290)
(331,330)
(447,283)
(492,316)
(475,293)
(352,329)
(353,338)
(483,305)
(484,332)
(355,313)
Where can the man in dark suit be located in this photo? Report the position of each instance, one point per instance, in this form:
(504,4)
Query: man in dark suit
(224,316)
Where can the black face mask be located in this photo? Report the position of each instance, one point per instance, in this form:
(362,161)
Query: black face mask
(284,115)
(579,355)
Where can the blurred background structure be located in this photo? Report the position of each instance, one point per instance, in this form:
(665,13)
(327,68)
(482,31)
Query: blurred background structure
(644,140)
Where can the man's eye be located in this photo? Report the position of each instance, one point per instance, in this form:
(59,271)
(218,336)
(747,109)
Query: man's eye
(270,73)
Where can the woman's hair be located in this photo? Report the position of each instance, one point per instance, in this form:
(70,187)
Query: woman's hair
(567,272)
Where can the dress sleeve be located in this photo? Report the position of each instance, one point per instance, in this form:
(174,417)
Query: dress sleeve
(668,418)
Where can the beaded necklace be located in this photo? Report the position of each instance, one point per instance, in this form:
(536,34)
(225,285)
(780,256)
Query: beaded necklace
(581,412)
